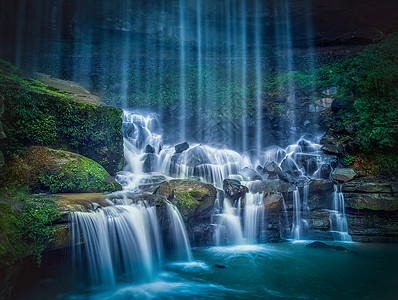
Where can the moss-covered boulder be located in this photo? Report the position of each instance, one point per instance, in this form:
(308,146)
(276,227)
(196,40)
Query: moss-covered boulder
(47,170)
(37,114)
(193,198)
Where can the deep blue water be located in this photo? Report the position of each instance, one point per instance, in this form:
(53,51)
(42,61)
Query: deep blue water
(267,271)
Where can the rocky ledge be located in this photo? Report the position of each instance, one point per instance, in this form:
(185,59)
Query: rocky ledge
(372,209)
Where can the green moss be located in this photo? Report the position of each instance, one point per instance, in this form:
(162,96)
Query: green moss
(36,114)
(188,202)
(79,174)
(26,231)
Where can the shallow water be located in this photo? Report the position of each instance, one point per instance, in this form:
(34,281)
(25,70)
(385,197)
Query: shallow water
(267,271)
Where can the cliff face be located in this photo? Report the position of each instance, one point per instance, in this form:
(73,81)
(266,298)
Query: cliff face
(35,114)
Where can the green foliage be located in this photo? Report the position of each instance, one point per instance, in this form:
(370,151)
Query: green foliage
(36,114)
(347,159)
(27,231)
(369,84)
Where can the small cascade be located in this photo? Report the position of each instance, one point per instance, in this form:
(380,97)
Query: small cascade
(338,217)
(122,239)
(253,217)
(180,241)
(297,230)
(301,211)
(229,229)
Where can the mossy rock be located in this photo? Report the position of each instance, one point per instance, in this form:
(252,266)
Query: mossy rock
(56,171)
(193,198)
(36,114)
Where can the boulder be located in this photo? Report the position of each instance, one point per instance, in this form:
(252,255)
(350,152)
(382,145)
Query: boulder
(321,245)
(331,144)
(56,171)
(273,201)
(149,149)
(273,171)
(249,174)
(149,162)
(194,157)
(343,174)
(234,189)
(281,186)
(193,198)
(330,91)
(181,147)
(337,104)
(325,171)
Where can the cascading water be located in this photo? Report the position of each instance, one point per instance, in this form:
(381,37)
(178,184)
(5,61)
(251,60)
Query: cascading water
(122,239)
(181,246)
(338,217)
(253,217)
(299,162)
(229,229)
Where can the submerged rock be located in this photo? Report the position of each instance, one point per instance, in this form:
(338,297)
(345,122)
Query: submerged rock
(234,189)
(220,266)
(321,245)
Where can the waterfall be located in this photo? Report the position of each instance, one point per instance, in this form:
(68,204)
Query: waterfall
(122,239)
(300,224)
(297,230)
(253,217)
(338,217)
(229,229)
(182,248)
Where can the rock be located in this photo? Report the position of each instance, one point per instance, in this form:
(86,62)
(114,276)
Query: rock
(320,185)
(149,162)
(57,171)
(273,201)
(75,91)
(343,174)
(193,198)
(321,245)
(181,147)
(220,266)
(371,201)
(308,162)
(337,104)
(281,186)
(289,167)
(333,148)
(322,104)
(249,174)
(149,149)
(320,219)
(273,171)
(325,171)
(352,147)
(330,91)
(350,128)
(367,187)
(194,157)
(234,189)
